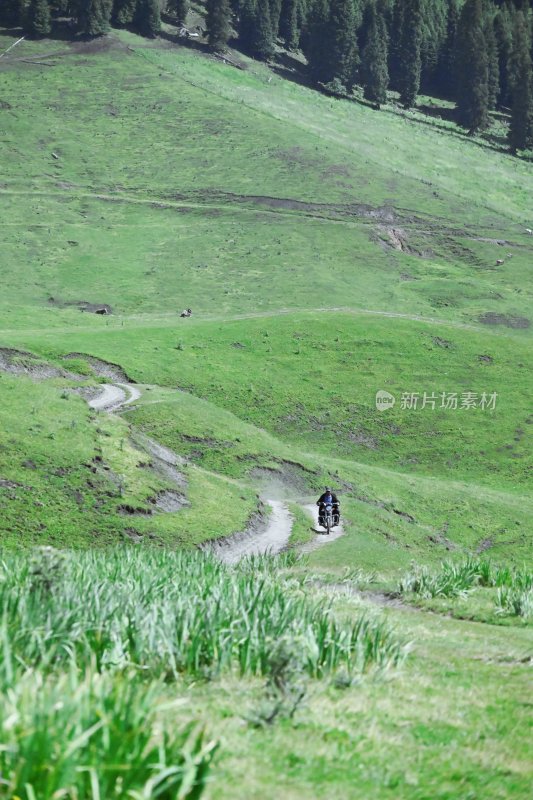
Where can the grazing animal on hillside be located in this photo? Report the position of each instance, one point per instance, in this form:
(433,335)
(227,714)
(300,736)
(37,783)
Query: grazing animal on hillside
(186,313)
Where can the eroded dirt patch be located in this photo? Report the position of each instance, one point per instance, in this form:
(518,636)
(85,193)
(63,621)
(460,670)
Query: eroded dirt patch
(104,369)
(444,343)
(5,483)
(484,545)
(102,44)
(286,478)
(133,511)
(406,276)
(396,238)
(20,362)
(165,462)
(133,534)
(295,155)
(84,305)
(509,320)
(88,393)
(385,214)
(363,439)
(169,501)
(404,515)
(442,540)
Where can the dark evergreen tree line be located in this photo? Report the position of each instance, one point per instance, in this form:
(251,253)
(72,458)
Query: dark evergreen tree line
(477,53)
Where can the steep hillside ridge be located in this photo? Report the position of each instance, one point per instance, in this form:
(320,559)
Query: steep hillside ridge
(328,252)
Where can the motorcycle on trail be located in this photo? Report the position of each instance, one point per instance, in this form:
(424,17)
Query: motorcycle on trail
(328,517)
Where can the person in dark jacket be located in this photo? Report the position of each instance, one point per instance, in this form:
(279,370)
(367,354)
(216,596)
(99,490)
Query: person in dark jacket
(328,498)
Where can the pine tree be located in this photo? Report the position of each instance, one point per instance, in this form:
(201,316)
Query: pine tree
(124,11)
(38,22)
(434,15)
(374,67)
(314,41)
(218,23)
(520,131)
(275,13)
(342,55)
(288,24)
(503,27)
(473,68)
(247,24)
(410,61)
(262,44)
(180,9)
(302,11)
(492,56)
(148,17)
(94,17)
(11,13)
(446,75)
(395,36)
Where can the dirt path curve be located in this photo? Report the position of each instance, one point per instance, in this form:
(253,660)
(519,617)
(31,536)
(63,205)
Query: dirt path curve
(340,310)
(170,318)
(321,538)
(115,396)
(272,539)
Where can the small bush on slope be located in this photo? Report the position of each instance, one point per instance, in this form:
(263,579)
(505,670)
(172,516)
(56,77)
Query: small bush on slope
(517,602)
(455,579)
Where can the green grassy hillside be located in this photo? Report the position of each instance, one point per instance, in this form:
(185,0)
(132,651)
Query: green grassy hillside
(328,252)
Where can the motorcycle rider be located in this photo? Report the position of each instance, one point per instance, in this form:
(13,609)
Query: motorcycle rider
(328,498)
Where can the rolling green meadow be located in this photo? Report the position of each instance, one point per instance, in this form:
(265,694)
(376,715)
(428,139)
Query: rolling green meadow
(328,252)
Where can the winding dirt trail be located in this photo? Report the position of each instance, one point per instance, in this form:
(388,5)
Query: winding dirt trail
(269,538)
(115,396)
(170,318)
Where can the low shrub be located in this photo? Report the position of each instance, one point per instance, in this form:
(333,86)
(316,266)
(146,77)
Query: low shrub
(517,602)
(457,578)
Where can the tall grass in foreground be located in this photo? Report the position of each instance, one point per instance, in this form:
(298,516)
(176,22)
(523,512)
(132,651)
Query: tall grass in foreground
(95,737)
(166,613)
(515,586)
(517,602)
(90,643)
